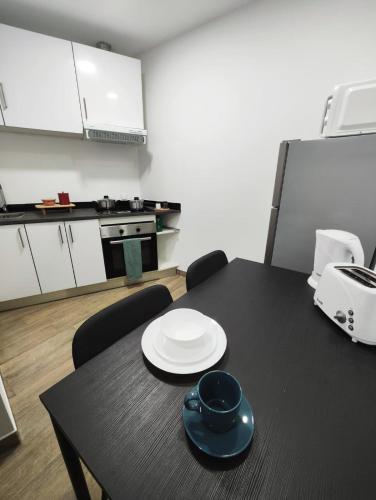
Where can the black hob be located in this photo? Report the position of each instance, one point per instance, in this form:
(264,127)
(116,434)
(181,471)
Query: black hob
(112,212)
(121,207)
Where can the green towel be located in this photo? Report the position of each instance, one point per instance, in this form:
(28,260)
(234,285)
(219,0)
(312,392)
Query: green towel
(133,258)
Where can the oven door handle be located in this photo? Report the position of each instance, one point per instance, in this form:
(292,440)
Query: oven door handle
(118,242)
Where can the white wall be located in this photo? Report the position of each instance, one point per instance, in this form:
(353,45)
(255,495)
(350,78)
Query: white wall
(34,167)
(221,98)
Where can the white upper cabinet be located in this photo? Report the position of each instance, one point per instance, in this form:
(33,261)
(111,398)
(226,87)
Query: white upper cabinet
(38,82)
(110,89)
(86,251)
(17,271)
(49,245)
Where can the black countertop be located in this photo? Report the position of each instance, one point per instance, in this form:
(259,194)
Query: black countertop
(79,213)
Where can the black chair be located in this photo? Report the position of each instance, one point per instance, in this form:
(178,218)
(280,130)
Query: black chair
(112,323)
(202,268)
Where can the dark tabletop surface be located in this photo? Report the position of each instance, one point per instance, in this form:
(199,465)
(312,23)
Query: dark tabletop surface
(33,216)
(312,391)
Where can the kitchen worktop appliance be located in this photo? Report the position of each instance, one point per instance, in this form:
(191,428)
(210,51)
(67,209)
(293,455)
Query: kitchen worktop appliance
(347,294)
(114,211)
(333,245)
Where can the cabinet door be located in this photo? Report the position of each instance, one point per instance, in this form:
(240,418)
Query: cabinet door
(110,88)
(17,271)
(86,251)
(39,88)
(50,249)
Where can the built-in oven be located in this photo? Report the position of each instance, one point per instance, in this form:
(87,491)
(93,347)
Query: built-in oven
(113,236)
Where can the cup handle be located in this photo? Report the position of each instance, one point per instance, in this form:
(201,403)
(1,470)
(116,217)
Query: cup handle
(191,400)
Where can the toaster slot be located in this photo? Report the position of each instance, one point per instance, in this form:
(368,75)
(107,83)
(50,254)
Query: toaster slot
(362,276)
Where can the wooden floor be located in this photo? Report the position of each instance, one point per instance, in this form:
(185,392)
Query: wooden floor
(35,353)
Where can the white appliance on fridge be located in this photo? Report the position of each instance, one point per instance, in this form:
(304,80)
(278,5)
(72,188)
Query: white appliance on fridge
(333,245)
(350,109)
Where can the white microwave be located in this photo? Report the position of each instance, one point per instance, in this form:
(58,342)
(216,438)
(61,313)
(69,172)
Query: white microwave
(350,110)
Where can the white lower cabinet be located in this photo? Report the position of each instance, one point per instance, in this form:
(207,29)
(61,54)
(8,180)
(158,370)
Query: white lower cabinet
(50,248)
(17,271)
(86,251)
(49,256)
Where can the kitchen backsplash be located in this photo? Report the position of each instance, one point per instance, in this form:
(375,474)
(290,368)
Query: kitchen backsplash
(33,167)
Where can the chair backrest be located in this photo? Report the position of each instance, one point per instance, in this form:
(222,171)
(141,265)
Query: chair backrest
(202,268)
(112,323)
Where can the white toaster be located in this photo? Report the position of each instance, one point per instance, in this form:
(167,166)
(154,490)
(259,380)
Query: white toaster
(347,294)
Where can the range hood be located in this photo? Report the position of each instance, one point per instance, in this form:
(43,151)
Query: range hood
(114,134)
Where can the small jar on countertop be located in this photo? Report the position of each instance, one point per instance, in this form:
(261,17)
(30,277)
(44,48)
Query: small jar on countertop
(63,198)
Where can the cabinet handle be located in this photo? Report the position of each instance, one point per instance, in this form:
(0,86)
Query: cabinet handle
(21,239)
(61,235)
(71,233)
(85,107)
(2,98)
(119,242)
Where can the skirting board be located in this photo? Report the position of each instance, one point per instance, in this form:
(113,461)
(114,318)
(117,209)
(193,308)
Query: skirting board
(181,273)
(83,290)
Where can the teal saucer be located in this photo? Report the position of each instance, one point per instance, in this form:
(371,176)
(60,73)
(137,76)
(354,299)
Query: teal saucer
(225,444)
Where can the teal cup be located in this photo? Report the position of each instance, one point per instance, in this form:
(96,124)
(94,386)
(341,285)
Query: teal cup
(217,397)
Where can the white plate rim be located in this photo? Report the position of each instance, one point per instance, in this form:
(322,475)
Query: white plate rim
(155,359)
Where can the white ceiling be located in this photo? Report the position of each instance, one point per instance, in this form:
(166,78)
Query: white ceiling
(131,26)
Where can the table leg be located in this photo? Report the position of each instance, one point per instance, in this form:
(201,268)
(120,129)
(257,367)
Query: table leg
(73,465)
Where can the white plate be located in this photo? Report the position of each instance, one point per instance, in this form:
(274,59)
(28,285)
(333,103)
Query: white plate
(147,345)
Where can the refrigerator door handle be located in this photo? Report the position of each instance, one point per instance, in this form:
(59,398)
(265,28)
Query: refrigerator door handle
(280,172)
(271,235)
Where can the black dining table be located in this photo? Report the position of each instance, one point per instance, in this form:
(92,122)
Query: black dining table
(312,390)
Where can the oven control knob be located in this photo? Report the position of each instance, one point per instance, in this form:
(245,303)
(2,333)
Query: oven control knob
(138,229)
(121,231)
(340,317)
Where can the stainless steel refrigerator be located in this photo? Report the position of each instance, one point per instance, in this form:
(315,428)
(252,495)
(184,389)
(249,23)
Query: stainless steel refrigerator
(322,184)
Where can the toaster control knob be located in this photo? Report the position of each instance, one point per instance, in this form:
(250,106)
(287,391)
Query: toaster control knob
(340,317)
